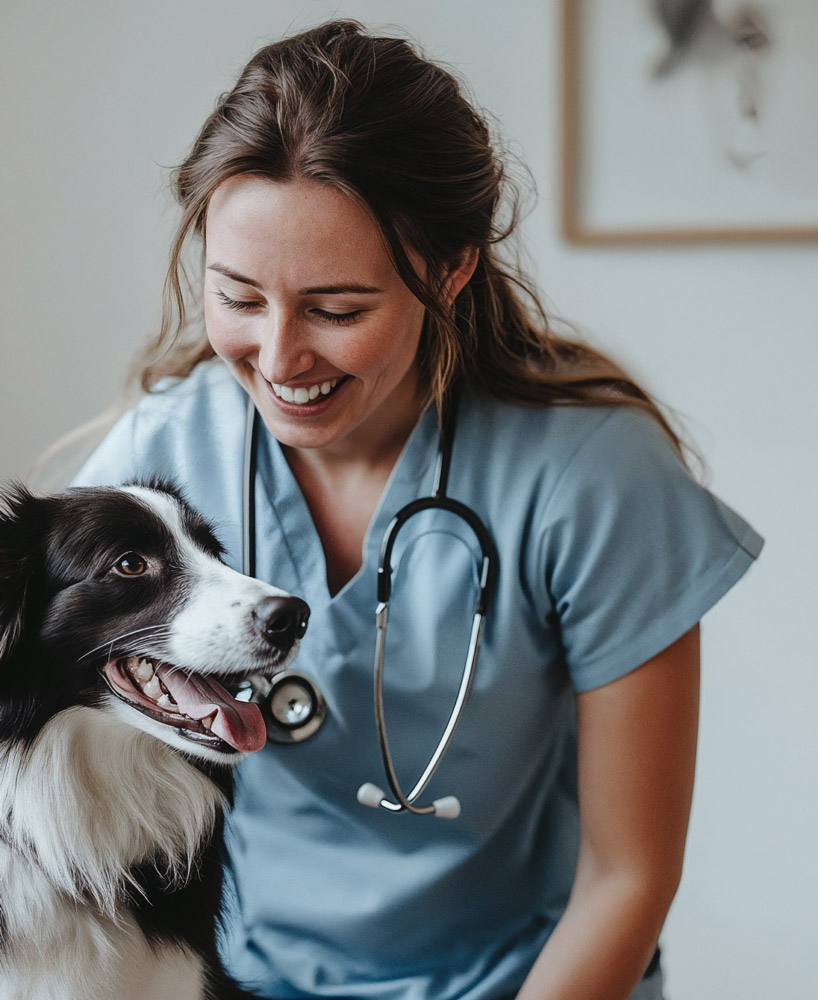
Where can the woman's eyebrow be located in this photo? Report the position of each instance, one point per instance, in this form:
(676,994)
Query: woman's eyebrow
(335,289)
(228,272)
(340,289)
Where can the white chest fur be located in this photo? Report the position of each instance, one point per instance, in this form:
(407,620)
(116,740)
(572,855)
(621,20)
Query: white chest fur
(90,798)
(61,950)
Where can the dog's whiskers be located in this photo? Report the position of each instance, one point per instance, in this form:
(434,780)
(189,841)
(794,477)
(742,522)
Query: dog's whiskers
(148,632)
(180,670)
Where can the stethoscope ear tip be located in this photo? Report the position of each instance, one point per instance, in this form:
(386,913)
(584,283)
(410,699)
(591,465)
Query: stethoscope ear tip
(447,808)
(370,795)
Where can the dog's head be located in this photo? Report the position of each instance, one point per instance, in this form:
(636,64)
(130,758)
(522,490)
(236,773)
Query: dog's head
(117,598)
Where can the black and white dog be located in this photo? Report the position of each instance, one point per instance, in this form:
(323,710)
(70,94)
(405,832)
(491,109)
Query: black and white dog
(119,627)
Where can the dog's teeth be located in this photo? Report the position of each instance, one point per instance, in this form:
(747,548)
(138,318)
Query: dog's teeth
(153,689)
(208,722)
(144,670)
(166,701)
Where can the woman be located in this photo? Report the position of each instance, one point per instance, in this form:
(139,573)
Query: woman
(345,196)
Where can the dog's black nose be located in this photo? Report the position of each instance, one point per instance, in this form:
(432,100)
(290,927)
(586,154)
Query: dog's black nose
(282,620)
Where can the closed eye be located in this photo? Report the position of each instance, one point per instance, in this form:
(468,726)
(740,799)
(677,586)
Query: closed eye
(341,319)
(250,305)
(240,305)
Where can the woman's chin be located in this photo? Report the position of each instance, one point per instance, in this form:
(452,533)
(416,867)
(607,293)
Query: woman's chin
(319,423)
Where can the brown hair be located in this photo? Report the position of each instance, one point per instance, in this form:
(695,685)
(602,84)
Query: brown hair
(372,118)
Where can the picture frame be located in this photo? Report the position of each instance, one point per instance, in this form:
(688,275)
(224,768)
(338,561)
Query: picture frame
(657,146)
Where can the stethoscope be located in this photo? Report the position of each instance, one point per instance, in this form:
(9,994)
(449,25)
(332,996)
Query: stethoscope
(291,703)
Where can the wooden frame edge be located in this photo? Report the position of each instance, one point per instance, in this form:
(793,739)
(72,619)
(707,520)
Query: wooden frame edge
(573,230)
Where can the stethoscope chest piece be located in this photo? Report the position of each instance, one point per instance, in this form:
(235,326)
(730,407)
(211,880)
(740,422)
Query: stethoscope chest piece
(291,705)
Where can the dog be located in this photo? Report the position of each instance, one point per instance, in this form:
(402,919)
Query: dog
(121,629)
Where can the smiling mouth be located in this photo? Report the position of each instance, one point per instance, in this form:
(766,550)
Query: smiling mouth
(310,394)
(197,706)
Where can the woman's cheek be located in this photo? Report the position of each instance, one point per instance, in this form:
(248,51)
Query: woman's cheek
(228,337)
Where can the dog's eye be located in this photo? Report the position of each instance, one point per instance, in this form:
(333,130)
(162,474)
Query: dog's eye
(131,564)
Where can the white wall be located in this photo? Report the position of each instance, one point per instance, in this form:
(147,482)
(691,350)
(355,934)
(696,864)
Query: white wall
(101,96)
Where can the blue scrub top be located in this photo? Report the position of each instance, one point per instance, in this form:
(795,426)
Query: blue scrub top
(608,552)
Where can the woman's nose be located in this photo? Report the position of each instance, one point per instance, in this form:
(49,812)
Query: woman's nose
(284,349)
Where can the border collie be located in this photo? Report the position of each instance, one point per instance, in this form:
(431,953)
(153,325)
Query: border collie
(119,628)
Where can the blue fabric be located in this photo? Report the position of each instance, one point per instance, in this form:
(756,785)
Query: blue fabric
(609,551)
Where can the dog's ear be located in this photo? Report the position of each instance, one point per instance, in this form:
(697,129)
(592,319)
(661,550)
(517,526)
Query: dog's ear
(21,527)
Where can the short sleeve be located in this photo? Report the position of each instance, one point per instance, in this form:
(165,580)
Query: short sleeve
(114,461)
(636,551)
(179,432)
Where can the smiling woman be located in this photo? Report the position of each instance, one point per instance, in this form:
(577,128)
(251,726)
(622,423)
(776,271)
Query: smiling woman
(301,294)
(346,199)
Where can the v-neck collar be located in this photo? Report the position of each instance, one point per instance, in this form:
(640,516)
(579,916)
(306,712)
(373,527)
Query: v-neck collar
(279,492)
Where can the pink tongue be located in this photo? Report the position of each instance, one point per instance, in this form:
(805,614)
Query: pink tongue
(238,723)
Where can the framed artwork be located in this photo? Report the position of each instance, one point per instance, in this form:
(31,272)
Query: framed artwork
(689,120)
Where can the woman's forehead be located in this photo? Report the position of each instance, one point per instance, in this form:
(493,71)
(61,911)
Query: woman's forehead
(254,224)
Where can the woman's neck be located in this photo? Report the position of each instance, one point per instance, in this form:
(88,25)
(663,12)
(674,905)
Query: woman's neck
(342,486)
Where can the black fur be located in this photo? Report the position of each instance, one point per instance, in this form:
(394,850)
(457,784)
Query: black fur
(64,600)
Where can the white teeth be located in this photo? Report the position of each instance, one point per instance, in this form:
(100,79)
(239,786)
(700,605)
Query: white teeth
(153,689)
(208,722)
(144,671)
(304,394)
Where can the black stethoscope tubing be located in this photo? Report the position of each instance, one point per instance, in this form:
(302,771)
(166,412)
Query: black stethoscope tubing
(312,708)
(291,704)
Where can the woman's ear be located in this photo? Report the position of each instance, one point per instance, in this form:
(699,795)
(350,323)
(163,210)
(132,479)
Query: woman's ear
(459,273)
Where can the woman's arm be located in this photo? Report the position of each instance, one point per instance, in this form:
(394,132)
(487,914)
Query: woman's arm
(636,759)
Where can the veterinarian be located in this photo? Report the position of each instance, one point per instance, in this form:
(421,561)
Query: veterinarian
(342,216)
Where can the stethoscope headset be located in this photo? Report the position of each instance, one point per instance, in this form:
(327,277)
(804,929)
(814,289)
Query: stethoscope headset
(292,705)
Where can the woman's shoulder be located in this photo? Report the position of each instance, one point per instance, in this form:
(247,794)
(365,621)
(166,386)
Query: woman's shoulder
(209,388)
(183,422)
(608,526)
(550,440)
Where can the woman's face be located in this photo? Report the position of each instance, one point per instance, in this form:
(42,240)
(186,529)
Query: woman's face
(304,304)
